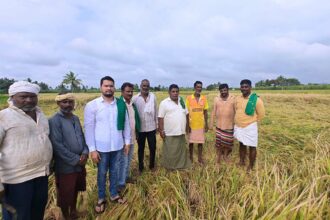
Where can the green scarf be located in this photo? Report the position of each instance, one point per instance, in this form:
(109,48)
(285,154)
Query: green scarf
(182,103)
(121,106)
(137,119)
(122,109)
(251,105)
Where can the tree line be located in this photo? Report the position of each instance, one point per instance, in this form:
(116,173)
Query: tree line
(278,82)
(72,83)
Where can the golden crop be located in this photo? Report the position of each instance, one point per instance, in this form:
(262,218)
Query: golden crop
(291,179)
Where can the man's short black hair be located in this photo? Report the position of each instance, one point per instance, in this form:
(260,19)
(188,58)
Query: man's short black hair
(224,85)
(145,80)
(107,78)
(197,82)
(173,86)
(126,84)
(246,81)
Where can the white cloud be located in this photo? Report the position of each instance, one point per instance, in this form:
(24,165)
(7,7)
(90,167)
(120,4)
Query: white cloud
(165,41)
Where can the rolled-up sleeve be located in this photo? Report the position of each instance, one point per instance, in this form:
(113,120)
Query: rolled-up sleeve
(161,110)
(260,109)
(2,135)
(89,124)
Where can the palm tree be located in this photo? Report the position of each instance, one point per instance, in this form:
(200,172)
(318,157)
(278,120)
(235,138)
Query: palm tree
(72,80)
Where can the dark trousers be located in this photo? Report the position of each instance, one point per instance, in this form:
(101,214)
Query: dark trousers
(67,186)
(28,198)
(151,137)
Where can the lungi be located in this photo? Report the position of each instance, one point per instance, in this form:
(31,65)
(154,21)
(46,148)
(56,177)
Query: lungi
(175,155)
(224,138)
(248,135)
(68,185)
(197,136)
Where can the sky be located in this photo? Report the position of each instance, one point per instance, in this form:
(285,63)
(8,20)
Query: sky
(165,41)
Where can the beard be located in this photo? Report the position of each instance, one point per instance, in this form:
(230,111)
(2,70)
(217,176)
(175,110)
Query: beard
(28,108)
(67,111)
(108,95)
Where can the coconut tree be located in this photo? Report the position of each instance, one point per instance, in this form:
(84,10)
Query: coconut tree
(71,80)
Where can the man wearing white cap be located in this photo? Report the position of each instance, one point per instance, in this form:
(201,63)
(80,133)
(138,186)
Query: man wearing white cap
(25,153)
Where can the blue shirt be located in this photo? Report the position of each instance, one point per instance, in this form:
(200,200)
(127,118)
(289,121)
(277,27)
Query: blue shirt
(68,142)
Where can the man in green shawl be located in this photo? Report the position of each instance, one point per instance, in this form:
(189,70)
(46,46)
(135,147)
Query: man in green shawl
(249,110)
(173,124)
(134,122)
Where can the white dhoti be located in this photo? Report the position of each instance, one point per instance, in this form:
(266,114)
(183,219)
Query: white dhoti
(248,135)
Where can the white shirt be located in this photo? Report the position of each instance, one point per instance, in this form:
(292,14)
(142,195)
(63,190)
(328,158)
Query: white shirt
(131,115)
(174,117)
(100,122)
(148,120)
(25,149)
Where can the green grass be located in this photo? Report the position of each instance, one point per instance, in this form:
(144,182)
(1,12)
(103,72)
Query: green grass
(3,100)
(291,179)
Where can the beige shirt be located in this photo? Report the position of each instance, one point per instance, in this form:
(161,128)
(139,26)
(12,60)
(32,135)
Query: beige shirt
(223,112)
(241,118)
(148,120)
(174,117)
(25,148)
(131,116)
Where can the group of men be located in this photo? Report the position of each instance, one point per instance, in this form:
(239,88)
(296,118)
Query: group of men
(237,117)
(28,141)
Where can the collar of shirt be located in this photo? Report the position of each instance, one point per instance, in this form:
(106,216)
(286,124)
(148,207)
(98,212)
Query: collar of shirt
(140,95)
(130,103)
(38,110)
(246,97)
(20,111)
(168,99)
(102,100)
(228,98)
(62,114)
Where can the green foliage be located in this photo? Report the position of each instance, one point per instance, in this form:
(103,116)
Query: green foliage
(278,82)
(4,84)
(71,79)
(297,87)
(212,87)
(3,101)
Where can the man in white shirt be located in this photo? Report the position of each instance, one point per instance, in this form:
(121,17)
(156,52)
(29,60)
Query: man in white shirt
(25,153)
(107,131)
(146,104)
(173,124)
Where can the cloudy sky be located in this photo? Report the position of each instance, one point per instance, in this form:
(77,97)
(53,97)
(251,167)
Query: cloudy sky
(165,41)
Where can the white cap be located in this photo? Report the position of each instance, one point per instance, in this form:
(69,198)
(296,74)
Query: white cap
(23,86)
